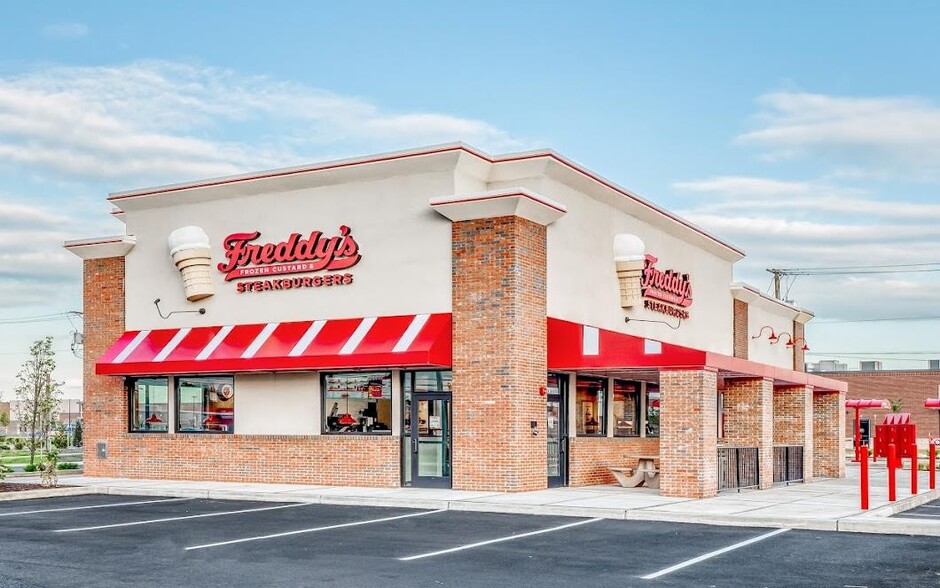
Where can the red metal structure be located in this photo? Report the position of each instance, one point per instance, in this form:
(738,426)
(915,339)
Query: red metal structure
(898,431)
(858,405)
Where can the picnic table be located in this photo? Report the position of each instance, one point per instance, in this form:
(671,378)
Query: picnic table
(646,473)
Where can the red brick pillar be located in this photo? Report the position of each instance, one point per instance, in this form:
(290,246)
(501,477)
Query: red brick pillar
(749,420)
(105,409)
(499,283)
(688,444)
(828,428)
(793,422)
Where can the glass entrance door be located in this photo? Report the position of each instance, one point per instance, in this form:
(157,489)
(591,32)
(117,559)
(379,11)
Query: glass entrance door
(429,433)
(557,431)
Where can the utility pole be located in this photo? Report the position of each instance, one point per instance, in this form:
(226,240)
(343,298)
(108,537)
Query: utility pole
(777,275)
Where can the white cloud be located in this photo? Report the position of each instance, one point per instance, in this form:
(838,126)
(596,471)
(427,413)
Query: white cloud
(65,30)
(747,193)
(885,136)
(159,121)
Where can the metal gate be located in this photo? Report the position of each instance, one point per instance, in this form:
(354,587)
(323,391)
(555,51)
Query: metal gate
(738,467)
(788,463)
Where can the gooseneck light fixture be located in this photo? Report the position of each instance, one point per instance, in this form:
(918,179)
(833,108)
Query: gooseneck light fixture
(773,336)
(793,342)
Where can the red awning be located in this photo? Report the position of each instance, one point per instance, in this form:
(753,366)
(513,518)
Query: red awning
(577,347)
(422,340)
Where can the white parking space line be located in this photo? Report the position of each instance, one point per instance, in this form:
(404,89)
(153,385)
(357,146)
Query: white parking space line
(914,515)
(712,554)
(499,540)
(314,529)
(109,505)
(182,518)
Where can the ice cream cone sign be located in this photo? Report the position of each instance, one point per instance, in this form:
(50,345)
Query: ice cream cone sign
(191,252)
(629,257)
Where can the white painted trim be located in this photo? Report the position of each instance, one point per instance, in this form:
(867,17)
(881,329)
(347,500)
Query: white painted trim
(172,344)
(134,344)
(312,331)
(411,333)
(214,344)
(259,340)
(358,335)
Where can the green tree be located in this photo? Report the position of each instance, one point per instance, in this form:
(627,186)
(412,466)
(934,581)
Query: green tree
(38,392)
(5,420)
(77,434)
(896,405)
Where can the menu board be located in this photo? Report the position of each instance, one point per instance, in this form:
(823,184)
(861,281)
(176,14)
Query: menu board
(356,385)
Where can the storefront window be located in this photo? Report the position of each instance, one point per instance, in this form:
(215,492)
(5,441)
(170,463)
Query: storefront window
(652,410)
(149,405)
(626,409)
(591,406)
(205,404)
(357,402)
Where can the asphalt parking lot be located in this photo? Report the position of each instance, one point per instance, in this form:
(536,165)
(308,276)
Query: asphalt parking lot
(928,511)
(107,540)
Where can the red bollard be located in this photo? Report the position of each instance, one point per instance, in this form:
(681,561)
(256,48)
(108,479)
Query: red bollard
(864,476)
(913,468)
(933,465)
(892,474)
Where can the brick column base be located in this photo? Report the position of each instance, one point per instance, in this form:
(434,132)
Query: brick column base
(688,446)
(828,426)
(793,422)
(749,420)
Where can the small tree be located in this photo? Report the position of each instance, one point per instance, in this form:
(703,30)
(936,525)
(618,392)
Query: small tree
(896,405)
(77,434)
(5,421)
(38,392)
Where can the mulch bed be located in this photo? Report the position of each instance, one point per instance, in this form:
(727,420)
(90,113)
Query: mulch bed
(8,487)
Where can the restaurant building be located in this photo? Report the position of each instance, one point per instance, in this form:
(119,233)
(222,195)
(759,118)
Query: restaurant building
(437,317)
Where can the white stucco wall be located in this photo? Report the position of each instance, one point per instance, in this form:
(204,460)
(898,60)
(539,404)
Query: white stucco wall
(762,313)
(582,278)
(277,404)
(405,247)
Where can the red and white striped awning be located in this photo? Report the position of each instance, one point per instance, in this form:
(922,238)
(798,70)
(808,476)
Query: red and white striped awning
(422,340)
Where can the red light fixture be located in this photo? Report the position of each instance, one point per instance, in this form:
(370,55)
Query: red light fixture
(773,336)
(792,343)
(780,336)
(153,419)
(347,419)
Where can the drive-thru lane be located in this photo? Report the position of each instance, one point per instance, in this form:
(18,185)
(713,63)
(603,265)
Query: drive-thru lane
(357,546)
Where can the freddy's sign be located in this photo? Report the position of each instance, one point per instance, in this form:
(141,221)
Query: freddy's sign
(317,252)
(666,286)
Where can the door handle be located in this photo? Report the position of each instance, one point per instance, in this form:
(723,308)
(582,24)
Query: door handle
(563,446)
(414,445)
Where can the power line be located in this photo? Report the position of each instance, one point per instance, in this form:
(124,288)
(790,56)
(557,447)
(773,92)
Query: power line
(878,320)
(42,318)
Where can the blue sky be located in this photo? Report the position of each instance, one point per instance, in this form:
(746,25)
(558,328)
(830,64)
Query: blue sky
(807,133)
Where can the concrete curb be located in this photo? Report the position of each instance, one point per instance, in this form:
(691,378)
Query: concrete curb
(48,493)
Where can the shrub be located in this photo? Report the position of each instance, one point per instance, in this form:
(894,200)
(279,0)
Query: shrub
(18,444)
(60,440)
(67,465)
(30,467)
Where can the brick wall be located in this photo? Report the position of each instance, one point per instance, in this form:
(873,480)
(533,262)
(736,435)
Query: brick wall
(688,444)
(749,417)
(793,422)
(352,460)
(828,428)
(589,457)
(799,356)
(499,283)
(740,329)
(105,411)
(910,386)
(343,460)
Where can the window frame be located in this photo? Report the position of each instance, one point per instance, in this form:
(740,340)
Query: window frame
(130,386)
(602,414)
(324,428)
(646,415)
(637,393)
(177,385)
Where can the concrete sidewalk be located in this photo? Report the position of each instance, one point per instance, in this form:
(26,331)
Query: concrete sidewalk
(827,505)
